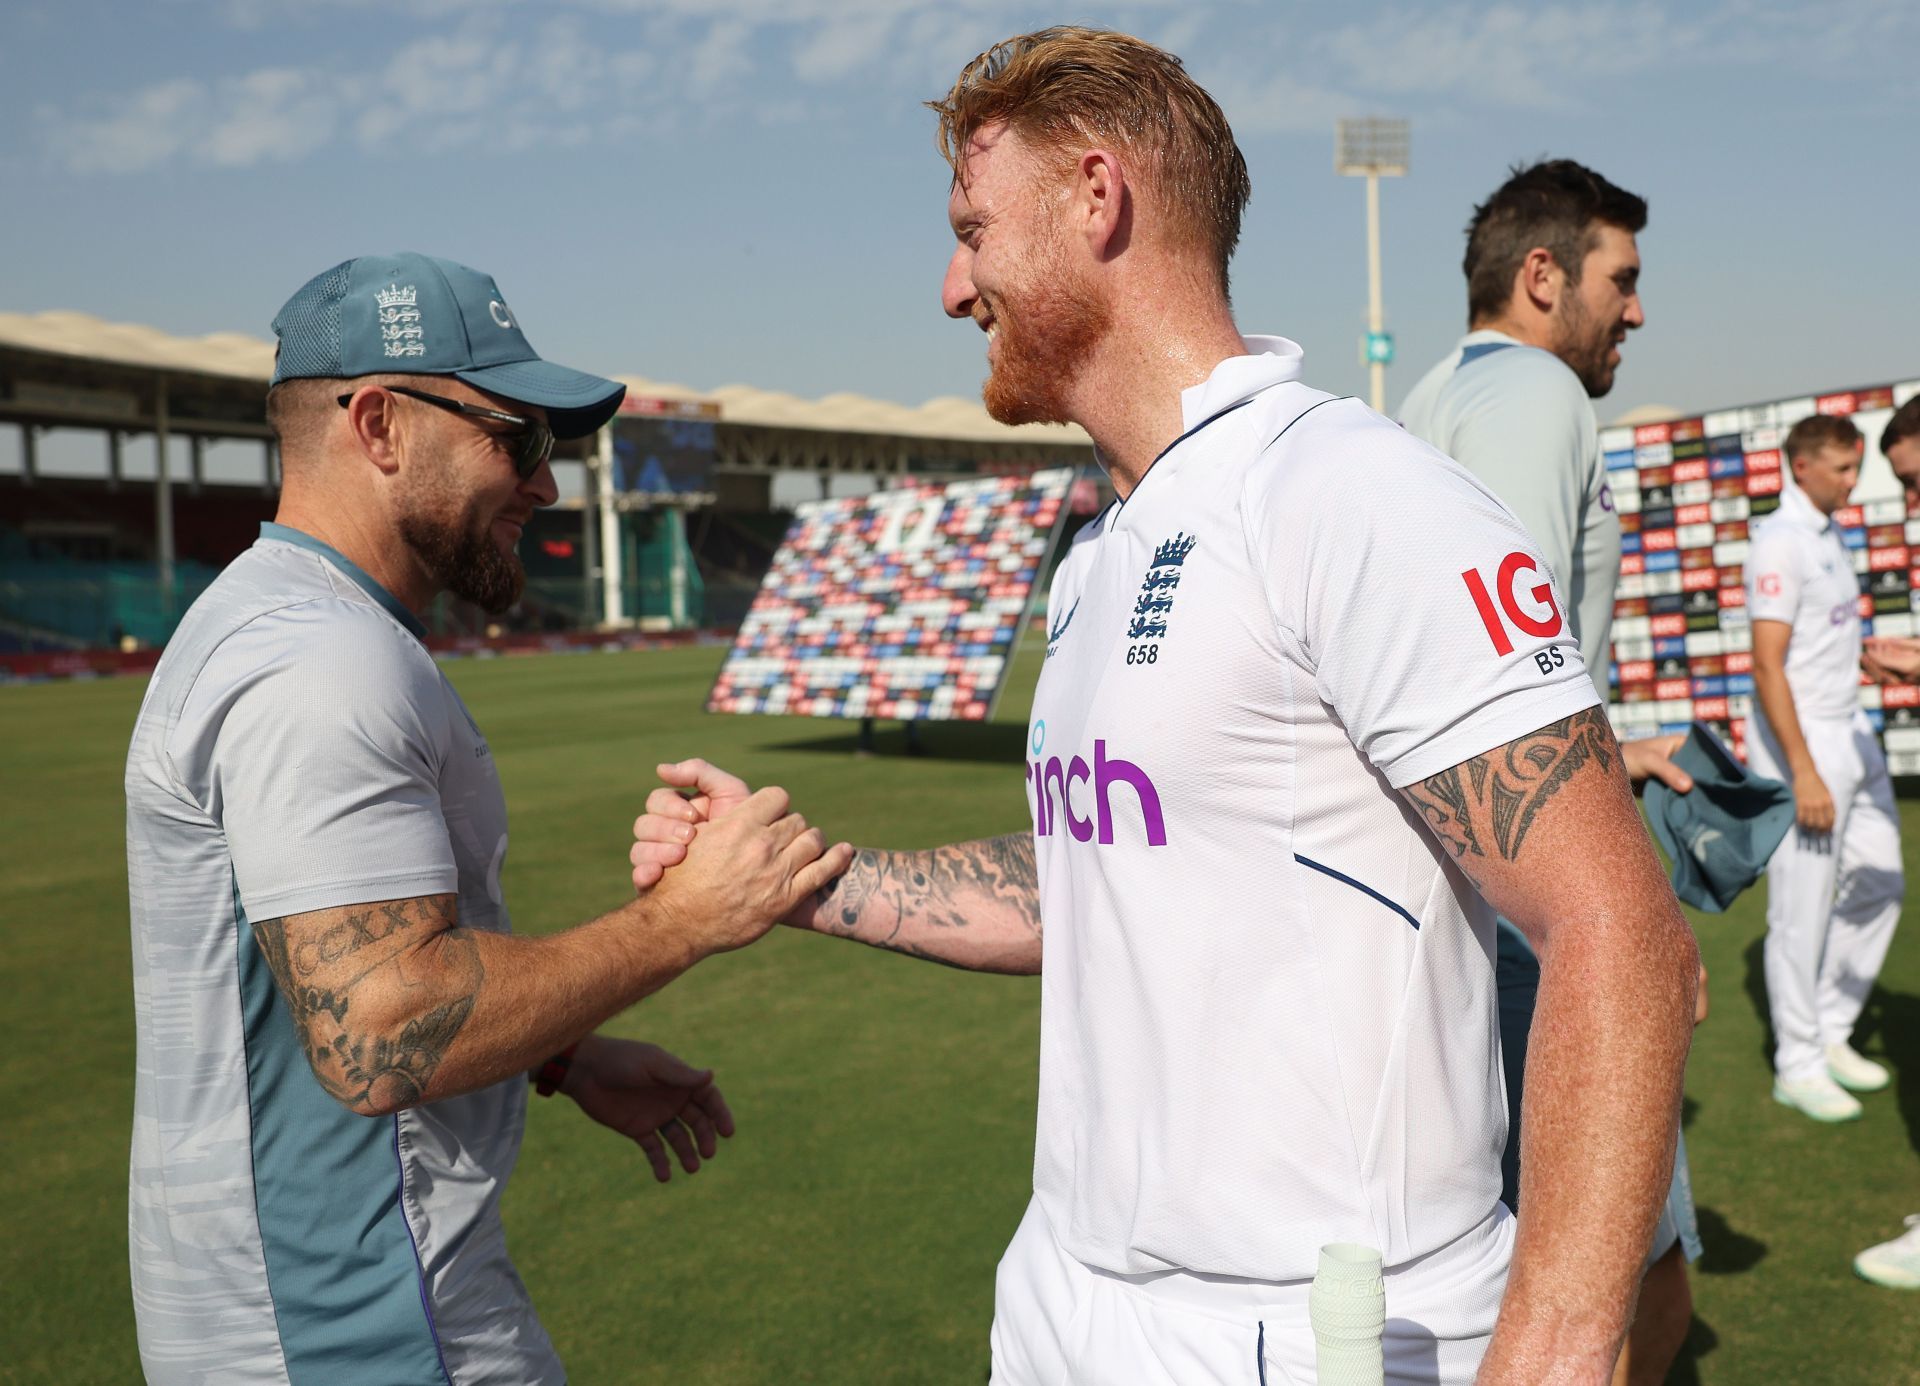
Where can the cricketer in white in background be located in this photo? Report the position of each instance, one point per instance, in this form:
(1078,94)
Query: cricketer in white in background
(1835,884)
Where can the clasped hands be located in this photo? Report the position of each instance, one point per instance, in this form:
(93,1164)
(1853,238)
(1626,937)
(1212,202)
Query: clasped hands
(1891,658)
(726,862)
(744,874)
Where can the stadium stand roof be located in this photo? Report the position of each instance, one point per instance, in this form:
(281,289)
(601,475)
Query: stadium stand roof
(237,355)
(1647,414)
(131,344)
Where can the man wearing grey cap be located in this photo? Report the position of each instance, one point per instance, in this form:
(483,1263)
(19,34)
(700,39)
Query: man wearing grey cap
(335,1024)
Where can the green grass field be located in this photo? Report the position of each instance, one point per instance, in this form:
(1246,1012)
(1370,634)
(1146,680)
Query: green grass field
(849,1232)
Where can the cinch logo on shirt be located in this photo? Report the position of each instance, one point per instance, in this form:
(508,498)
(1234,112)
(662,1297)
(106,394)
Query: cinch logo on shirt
(1053,782)
(1506,583)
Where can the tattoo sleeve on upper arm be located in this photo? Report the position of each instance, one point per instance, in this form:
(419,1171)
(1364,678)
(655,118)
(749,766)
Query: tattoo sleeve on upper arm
(325,964)
(1487,804)
(939,889)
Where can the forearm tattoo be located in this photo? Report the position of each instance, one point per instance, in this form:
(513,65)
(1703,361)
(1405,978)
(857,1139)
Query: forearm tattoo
(1487,804)
(324,975)
(885,898)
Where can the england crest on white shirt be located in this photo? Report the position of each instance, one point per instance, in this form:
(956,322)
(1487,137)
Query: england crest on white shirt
(1154,606)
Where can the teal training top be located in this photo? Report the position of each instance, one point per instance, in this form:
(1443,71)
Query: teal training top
(298,749)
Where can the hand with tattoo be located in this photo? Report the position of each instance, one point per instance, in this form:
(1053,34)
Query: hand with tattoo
(973,905)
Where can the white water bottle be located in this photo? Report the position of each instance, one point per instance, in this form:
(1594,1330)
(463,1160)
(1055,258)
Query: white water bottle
(1347,1307)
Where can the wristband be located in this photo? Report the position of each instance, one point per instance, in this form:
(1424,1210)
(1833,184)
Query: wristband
(547,1078)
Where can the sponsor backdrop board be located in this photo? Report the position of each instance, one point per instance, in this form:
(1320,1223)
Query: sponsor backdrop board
(903,604)
(1686,492)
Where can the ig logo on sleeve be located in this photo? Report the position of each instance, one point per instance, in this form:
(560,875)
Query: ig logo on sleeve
(1539,616)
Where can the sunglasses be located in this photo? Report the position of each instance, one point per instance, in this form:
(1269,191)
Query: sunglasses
(529,440)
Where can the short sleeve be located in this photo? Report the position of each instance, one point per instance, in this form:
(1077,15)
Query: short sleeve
(1427,614)
(1773,577)
(314,737)
(1533,445)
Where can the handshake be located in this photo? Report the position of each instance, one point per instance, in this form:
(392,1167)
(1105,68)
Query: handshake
(723,866)
(1891,659)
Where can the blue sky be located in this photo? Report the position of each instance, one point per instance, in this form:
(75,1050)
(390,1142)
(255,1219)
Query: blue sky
(717,191)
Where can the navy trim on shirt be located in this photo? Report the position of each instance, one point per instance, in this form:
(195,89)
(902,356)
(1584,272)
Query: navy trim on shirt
(1363,889)
(1468,355)
(1336,399)
(1121,501)
(300,539)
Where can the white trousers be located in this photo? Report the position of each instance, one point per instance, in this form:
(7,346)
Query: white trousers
(1058,1322)
(1832,898)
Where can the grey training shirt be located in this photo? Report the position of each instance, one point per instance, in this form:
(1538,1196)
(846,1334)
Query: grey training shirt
(298,749)
(1519,419)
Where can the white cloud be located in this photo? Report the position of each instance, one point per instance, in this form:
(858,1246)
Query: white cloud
(450,75)
(563,66)
(560,72)
(634,65)
(1533,57)
(721,56)
(149,128)
(839,49)
(272,114)
(1279,104)
(1508,55)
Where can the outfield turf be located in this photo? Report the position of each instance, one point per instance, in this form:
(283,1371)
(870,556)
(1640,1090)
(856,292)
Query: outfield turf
(849,1232)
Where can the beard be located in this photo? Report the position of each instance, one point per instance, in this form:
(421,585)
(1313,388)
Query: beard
(462,557)
(1585,344)
(1042,342)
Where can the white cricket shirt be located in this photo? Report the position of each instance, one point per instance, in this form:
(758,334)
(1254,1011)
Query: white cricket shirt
(1800,572)
(1267,1016)
(1518,418)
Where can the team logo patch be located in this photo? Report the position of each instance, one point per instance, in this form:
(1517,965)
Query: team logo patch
(400,330)
(1154,606)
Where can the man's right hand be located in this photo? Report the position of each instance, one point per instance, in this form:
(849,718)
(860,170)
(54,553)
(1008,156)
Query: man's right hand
(1651,758)
(1892,659)
(744,870)
(1812,804)
(662,833)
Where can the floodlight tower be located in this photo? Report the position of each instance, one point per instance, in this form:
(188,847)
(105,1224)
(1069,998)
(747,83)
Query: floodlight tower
(1374,148)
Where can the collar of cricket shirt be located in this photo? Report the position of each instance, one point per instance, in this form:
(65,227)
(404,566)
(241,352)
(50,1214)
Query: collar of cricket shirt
(1269,361)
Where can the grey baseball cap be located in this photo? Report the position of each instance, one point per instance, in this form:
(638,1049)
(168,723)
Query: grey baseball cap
(417,314)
